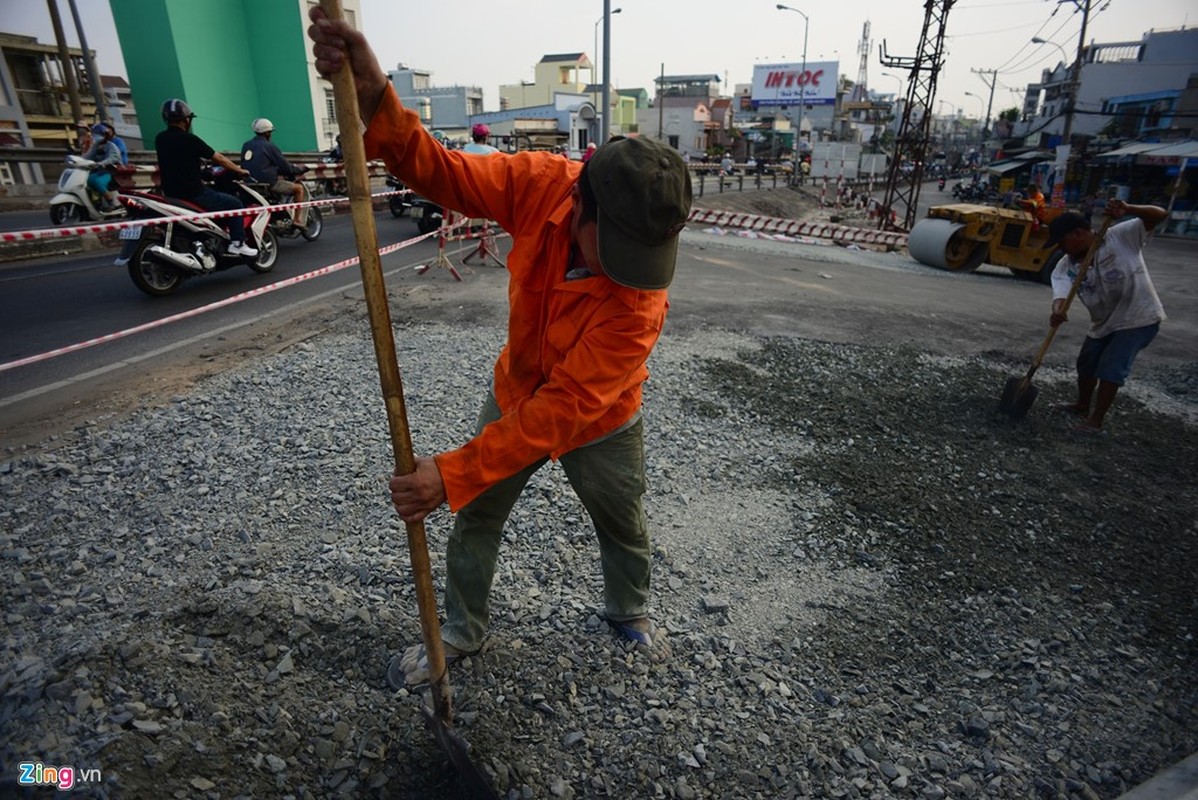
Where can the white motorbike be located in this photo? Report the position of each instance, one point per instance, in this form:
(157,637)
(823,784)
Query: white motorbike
(160,257)
(78,202)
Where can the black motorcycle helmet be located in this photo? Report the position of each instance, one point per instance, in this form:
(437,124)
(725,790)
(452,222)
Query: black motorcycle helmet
(174,110)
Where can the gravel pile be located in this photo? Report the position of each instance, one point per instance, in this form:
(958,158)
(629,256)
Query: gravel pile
(875,586)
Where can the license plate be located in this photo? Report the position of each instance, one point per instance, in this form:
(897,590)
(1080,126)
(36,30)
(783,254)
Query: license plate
(130,233)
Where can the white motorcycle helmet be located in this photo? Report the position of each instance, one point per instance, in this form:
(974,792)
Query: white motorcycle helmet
(262,125)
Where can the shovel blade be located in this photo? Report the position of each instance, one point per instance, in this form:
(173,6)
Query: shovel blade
(457,750)
(1018,395)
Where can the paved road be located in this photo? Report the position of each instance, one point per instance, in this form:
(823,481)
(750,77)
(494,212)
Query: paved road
(769,288)
(53,303)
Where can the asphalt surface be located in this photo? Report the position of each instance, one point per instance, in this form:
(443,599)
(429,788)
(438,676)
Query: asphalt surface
(821,292)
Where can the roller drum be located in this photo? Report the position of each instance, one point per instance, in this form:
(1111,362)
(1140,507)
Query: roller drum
(939,243)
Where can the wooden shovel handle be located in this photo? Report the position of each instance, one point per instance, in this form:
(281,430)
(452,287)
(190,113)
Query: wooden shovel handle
(353,149)
(1077,282)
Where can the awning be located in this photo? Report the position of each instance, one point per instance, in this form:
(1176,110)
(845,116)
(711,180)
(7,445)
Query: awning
(1005,165)
(1173,150)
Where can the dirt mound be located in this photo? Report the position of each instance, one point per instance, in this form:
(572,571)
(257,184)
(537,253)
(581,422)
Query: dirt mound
(781,202)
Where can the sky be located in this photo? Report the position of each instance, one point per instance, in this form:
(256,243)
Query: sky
(483,43)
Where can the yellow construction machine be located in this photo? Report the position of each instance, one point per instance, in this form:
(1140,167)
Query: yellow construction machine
(963,236)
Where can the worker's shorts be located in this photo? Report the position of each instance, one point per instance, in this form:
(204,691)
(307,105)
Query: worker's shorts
(1109,358)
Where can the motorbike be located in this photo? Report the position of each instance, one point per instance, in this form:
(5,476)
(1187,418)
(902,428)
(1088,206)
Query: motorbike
(283,220)
(161,257)
(425,212)
(78,202)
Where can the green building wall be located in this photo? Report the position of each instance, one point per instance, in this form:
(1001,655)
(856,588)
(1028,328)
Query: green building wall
(230,60)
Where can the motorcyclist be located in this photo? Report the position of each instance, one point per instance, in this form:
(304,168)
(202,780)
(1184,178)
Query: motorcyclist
(266,164)
(106,155)
(478,146)
(179,154)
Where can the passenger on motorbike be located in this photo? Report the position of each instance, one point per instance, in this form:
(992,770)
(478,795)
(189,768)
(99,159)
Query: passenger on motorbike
(179,154)
(118,141)
(266,164)
(479,146)
(106,155)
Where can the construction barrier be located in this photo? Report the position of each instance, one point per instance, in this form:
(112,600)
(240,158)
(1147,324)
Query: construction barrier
(446,234)
(115,225)
(790,227)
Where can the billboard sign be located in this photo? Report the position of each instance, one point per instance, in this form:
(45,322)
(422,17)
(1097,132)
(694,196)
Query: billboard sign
(790,84)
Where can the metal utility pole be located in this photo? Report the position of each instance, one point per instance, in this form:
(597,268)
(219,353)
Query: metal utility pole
(911,144)
(92,73)
(68,66)
(605,123)
(661,108)
(993,73)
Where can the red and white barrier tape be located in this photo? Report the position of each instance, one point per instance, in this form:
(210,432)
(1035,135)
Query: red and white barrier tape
(61,233)
(790,227)
(109,337)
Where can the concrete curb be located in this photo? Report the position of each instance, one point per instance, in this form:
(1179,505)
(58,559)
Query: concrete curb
(44,248)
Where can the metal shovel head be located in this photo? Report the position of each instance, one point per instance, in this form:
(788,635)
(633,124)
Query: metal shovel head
(1017,397)
(458,751)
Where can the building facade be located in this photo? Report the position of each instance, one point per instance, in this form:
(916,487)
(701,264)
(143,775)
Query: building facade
(232,61)
(554,73)
(1158,66)
(446,108)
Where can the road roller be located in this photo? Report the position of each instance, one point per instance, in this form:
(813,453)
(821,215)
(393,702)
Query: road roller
(962,236)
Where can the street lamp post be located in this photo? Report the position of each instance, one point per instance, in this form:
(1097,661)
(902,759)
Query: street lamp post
(1068,80)
(900,83)
(802,88)
(981,105)
(606,20)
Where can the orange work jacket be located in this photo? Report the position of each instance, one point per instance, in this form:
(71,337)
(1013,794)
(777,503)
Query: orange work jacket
(572,368)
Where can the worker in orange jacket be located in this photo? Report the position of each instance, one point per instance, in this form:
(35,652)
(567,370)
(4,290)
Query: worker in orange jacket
(593,250)
(1035,203)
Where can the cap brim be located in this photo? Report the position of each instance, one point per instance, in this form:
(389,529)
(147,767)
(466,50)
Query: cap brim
(632,263)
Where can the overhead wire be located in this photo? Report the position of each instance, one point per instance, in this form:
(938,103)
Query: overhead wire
(1033,36)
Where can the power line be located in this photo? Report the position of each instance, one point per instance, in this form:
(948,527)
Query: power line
(1033,36)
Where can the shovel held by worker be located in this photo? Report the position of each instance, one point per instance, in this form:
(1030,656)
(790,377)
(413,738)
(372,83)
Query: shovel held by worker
(1018,394)
(361,207)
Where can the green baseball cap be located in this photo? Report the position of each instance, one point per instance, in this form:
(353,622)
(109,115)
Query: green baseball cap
(643,191)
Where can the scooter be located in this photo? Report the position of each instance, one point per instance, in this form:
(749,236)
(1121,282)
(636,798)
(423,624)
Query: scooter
(425,212)
(78,202)
(161,257)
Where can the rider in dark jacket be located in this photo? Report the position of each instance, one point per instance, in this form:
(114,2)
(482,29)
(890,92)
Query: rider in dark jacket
(266,163)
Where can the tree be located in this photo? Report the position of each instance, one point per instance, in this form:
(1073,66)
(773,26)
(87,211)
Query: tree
(1010,115)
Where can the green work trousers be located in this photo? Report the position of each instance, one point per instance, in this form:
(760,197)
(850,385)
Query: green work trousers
(609,478)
